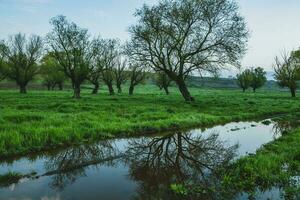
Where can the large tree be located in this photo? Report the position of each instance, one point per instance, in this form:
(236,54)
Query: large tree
(179,37)
(73,49)
(287,70)
(20,56)
(258,78)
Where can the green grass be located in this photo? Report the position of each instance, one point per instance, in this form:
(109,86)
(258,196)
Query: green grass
(43,120)
(9,178)
(274,165)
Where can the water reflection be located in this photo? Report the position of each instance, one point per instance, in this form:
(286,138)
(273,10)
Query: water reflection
(68,165)
(178,158)
(145,166)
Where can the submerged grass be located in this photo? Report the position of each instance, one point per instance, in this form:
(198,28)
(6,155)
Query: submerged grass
(44,120)
(9,178)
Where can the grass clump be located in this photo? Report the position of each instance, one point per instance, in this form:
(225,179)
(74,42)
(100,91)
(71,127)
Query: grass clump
(9,179)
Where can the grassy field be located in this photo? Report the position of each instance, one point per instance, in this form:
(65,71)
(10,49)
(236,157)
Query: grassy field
(43,120)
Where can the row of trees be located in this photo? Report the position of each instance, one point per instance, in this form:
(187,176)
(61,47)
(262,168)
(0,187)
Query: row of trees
(254,78)
(287,73)
(174,38)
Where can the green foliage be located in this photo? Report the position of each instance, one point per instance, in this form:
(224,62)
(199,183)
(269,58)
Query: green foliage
(179,189)
(258,78)
(244,79)
(51,72)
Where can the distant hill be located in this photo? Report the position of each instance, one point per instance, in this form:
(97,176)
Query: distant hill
(210,82)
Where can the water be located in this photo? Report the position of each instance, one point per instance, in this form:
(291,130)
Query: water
(137,168)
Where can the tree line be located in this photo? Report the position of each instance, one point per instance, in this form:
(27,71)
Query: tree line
(286,73)
(174,39)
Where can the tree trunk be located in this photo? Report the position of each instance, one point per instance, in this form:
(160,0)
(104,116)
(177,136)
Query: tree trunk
(110,89)
(166,90)
(119,88)
(131,89)
(23,89)
(244,89)
(76,91)
(184,90)
(254,90)
(48,87)
(60,86)
(293,92)
(96,88)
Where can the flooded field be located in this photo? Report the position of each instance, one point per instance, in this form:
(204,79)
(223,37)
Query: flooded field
(137,168)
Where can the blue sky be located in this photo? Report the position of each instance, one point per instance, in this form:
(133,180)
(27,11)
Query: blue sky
(274,24)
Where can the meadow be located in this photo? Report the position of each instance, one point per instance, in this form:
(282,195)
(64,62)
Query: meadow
(42,120)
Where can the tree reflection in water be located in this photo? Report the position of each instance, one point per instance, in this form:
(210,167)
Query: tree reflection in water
(282,127)
(178,158)
(68,165)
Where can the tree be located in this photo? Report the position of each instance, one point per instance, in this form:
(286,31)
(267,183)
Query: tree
(258,78)
(52,73)
(163,81)
(94,77)
(179,37)
(108,52)
(137,75)
(244,79)
(2,75)
(20,55)
(72,49)
(287,70)
(120,74)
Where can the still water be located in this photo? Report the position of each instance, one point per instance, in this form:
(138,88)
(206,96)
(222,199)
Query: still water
(137,168)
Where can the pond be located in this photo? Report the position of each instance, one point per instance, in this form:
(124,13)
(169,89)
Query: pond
(137,168)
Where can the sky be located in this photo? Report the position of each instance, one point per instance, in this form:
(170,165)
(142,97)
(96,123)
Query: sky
(274,24)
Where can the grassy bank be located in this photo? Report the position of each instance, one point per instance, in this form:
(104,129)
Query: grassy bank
(44,120)
(276,165)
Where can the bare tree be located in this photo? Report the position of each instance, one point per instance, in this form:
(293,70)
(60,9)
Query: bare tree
(120,74)
(106,61)
(137,76)
(163,81)
(73,49)
(182,36)
(287,70)
(21,55)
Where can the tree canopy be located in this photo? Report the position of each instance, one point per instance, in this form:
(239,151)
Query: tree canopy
(179,37)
